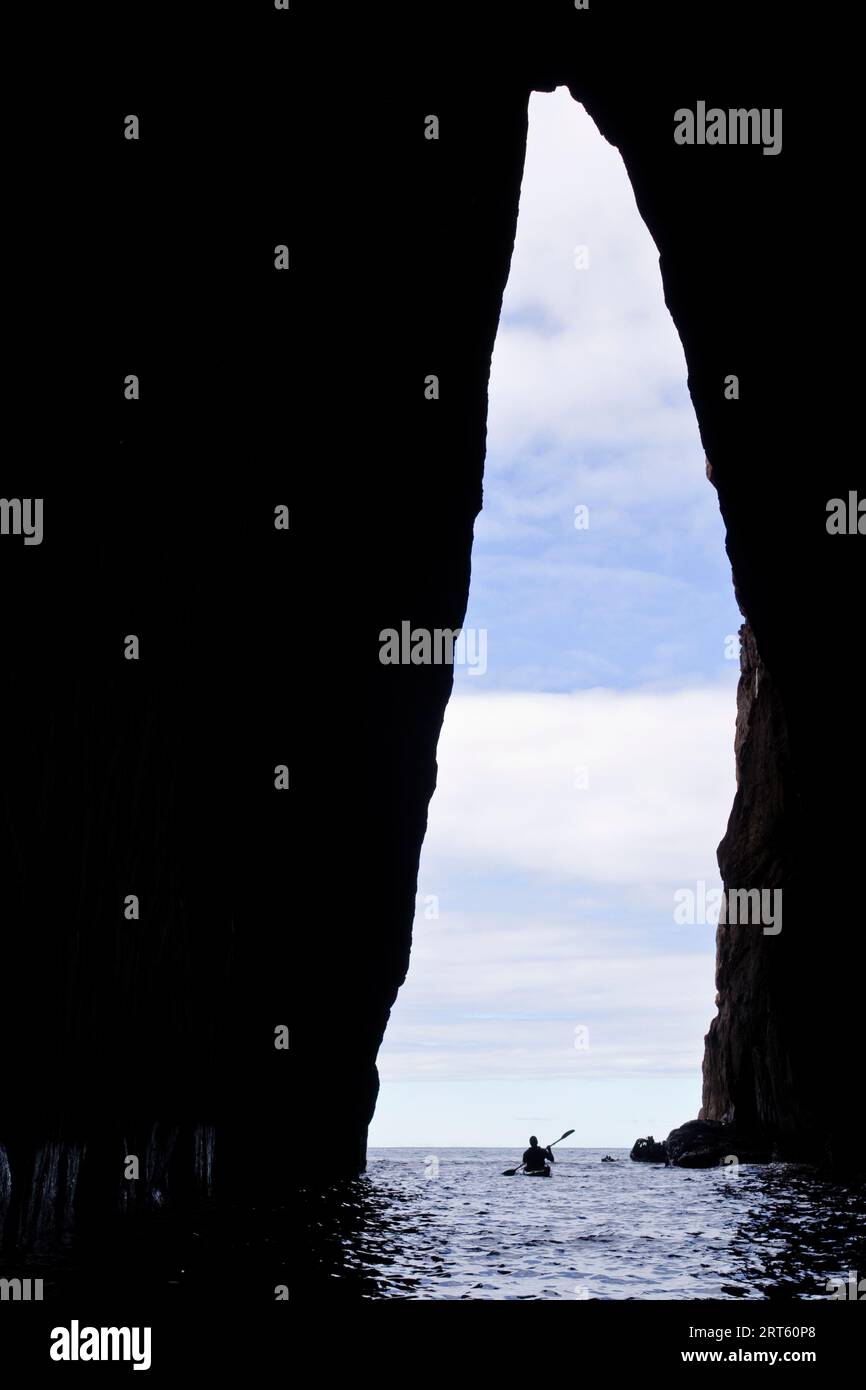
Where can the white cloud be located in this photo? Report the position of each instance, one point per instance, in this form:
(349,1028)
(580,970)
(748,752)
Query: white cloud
(485,1000)
(661,784)
(556,904)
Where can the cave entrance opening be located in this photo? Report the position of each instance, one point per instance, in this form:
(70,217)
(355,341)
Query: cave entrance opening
(587,778)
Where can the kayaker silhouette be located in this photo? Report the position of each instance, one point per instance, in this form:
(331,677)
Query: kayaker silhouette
(536,1158)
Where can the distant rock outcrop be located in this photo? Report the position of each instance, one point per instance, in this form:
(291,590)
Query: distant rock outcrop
(649,1151)
(703,1144)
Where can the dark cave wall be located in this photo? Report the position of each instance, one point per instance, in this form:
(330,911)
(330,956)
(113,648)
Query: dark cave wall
(308,391)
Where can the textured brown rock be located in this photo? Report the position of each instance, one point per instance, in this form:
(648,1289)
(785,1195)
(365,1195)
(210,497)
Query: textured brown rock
(744,1051)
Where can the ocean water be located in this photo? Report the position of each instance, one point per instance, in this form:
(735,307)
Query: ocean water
(447,1225)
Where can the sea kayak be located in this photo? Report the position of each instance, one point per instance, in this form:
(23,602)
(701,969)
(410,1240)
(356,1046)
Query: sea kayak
(537,1172)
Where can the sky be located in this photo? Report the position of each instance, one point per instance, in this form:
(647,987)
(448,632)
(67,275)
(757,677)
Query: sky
(586,767)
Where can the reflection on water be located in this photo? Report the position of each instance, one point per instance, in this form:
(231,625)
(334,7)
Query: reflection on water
(449,1226)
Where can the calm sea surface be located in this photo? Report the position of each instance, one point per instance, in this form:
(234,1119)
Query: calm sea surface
(447,1225)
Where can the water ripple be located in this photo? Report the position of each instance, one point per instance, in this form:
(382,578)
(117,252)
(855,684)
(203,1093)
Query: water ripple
(606,1231)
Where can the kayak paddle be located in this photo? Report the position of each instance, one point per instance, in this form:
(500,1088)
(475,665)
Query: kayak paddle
(510,1172)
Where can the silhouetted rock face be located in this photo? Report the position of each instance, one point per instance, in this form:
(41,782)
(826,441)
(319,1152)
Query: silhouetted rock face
(157,778)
